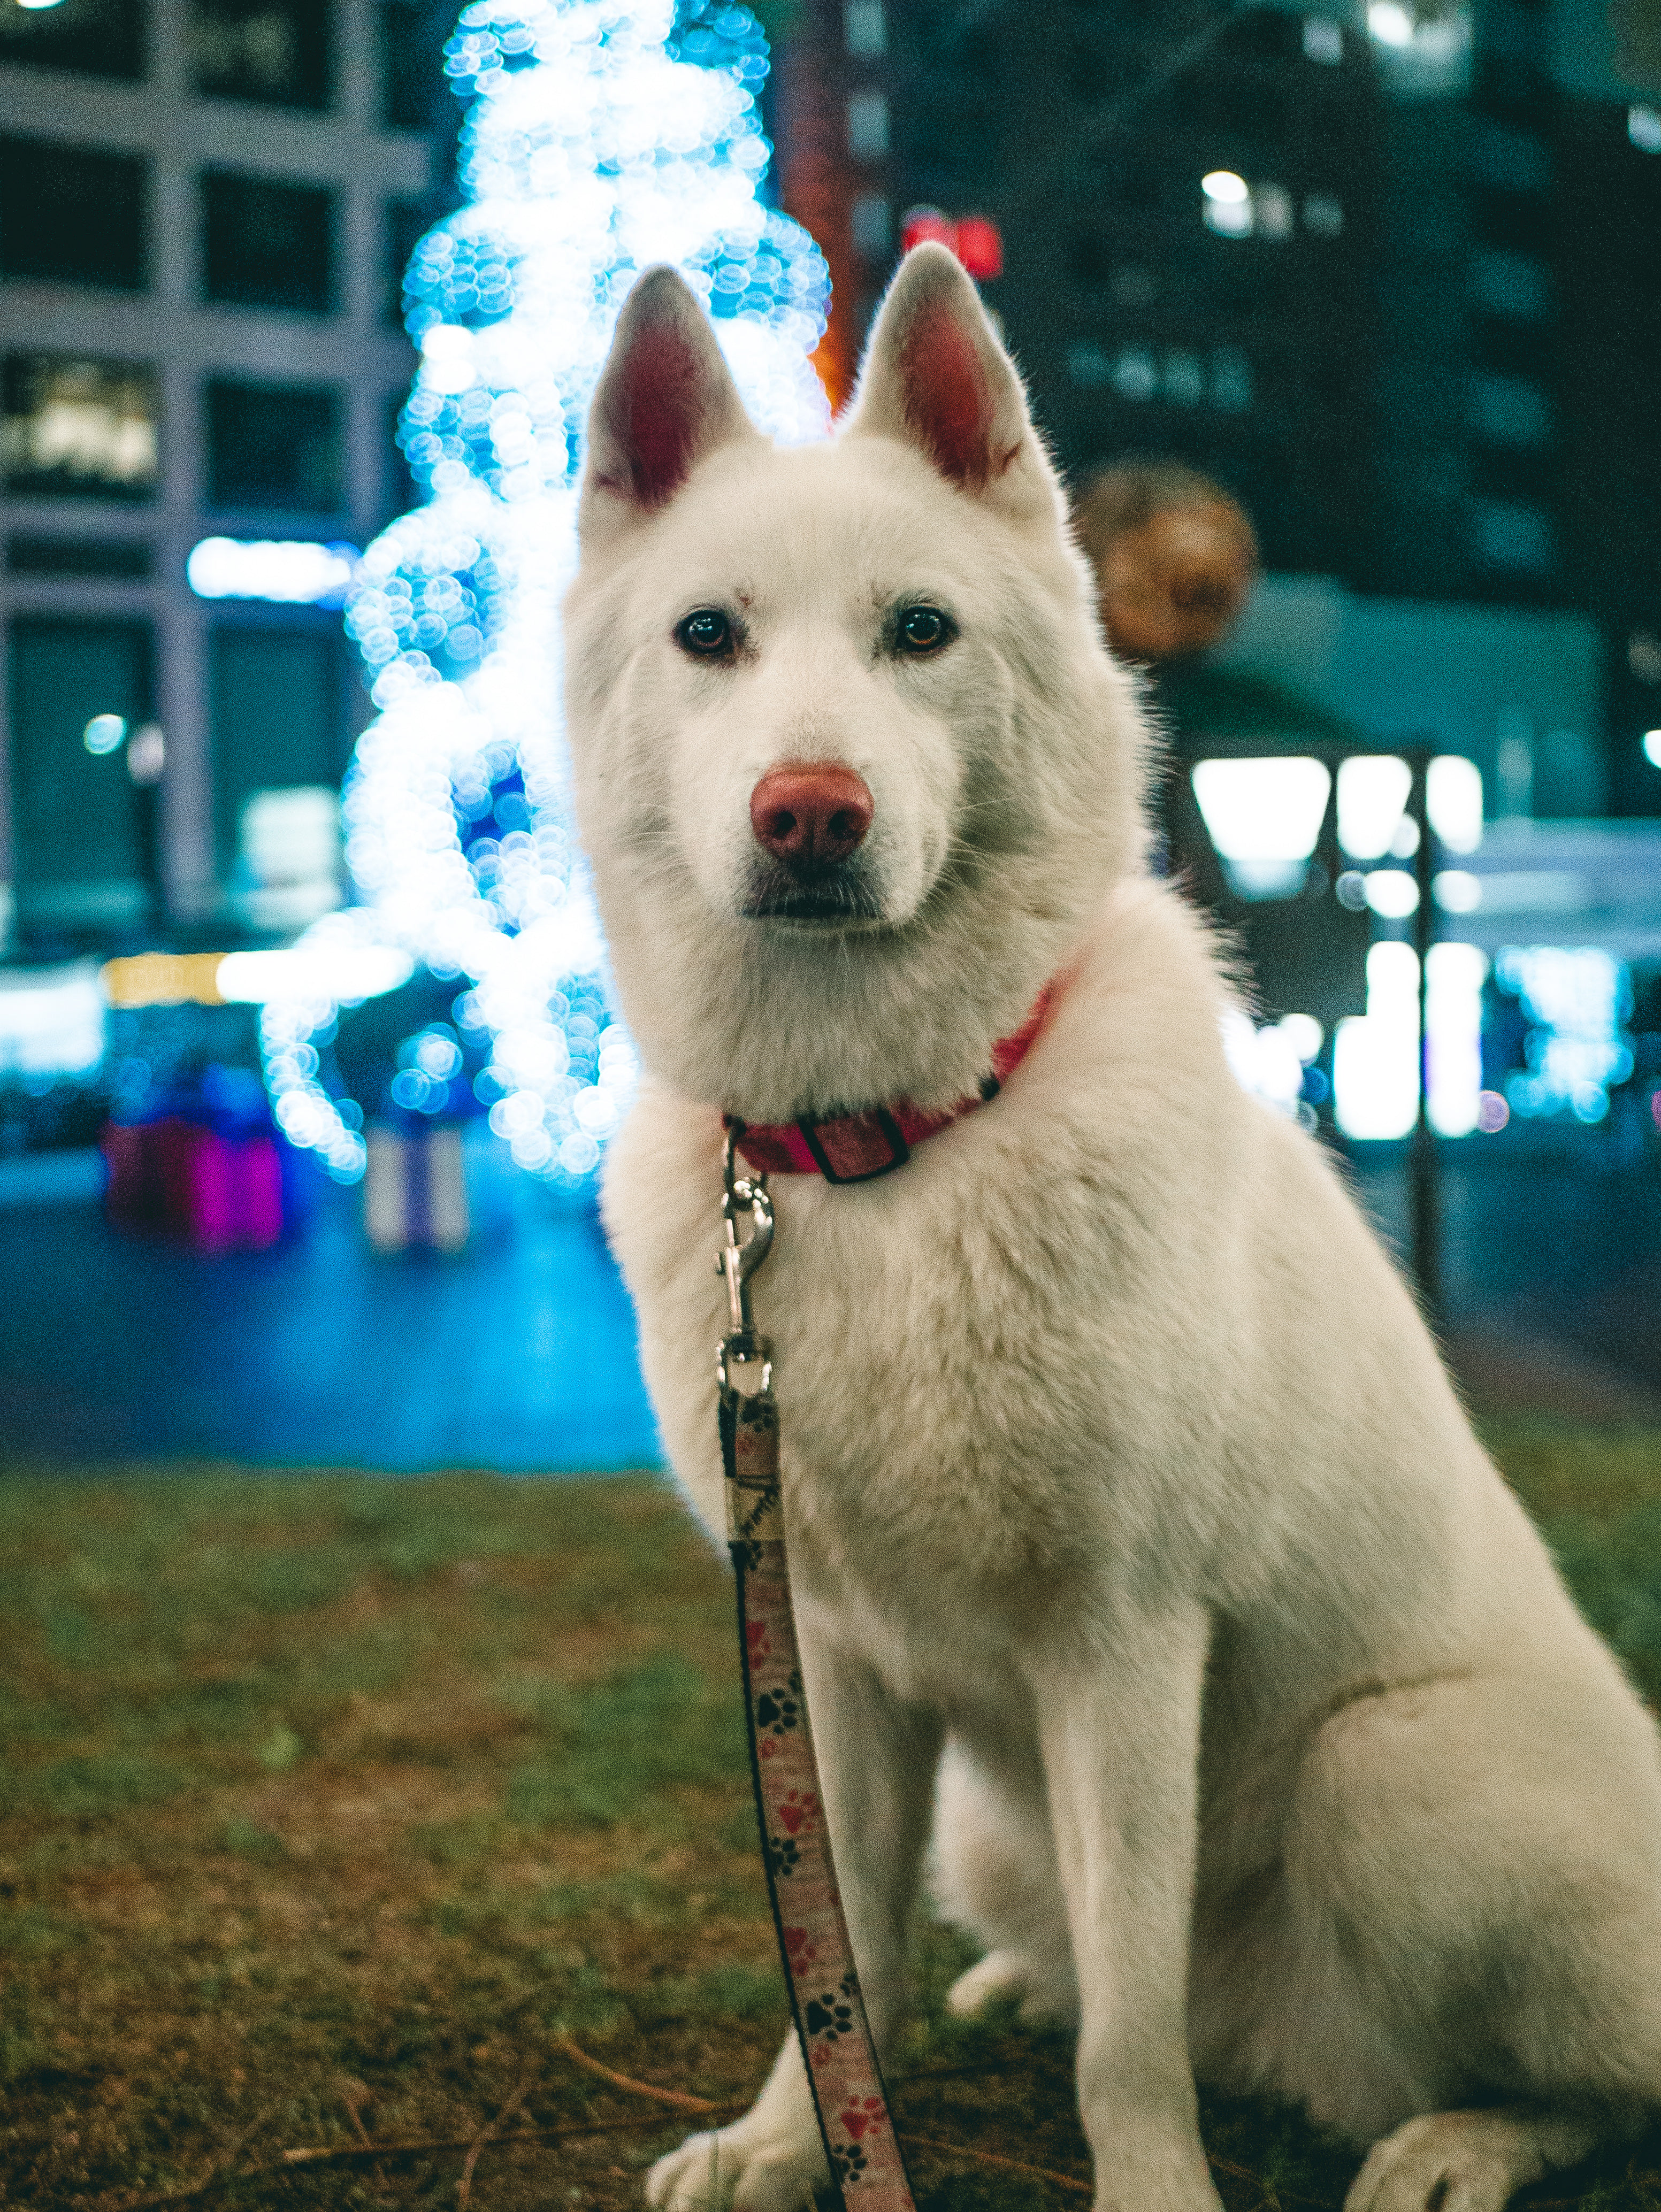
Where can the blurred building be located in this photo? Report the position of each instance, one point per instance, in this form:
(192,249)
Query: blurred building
(205,208)
(1387,270)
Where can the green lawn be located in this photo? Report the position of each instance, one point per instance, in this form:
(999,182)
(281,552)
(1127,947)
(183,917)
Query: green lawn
(337,1813)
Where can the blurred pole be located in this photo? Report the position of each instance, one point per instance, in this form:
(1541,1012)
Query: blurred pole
(1424,1188)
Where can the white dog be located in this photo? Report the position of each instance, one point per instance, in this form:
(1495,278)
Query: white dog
(1139,1543)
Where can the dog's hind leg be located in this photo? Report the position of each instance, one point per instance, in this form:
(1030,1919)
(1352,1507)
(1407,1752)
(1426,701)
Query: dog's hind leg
(1472,1885)
(995,1877)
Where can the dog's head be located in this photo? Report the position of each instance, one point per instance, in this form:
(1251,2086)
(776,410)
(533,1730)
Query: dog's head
(852,765)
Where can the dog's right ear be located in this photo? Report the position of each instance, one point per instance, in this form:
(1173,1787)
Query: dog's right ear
(665,398)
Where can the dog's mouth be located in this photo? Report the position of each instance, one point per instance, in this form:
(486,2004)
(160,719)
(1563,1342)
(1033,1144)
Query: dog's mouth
(831,898)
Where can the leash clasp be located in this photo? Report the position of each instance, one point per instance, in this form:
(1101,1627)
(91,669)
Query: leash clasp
(741,1349)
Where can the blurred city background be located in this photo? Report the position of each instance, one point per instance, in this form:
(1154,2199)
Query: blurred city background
(1343,323)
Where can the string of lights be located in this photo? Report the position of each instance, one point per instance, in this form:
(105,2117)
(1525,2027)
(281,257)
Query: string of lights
(602,137)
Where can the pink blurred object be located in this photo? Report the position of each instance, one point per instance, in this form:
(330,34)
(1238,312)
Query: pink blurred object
(174,1178)
(975,239)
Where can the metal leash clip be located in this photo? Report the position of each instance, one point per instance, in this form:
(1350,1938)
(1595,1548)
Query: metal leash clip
(744,1362)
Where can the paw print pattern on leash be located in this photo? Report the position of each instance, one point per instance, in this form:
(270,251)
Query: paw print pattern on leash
(830,2014)
(865,2159)
(777,1712)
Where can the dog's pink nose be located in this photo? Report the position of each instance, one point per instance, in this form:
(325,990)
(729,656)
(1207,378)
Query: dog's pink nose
(811,816)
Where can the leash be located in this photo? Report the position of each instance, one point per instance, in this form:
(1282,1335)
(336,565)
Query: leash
(861,2147)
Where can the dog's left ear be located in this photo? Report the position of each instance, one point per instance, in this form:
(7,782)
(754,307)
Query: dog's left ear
(666,399)
(936,377)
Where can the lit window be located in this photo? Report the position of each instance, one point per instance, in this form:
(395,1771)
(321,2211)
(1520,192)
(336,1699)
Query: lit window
(867,125)
(1323,215)
(1644,128)
(1184,378)
(1425,52)
(81,429)
(873,224)
(1323,40)
(1227,203)
(1578,1000)
(1135,375)
(275,52)
(1234,209)
(1514,285)
(1230,380)
(865,28)
(1372,794)
(1509,411)
(1375,1058)
(1087,364)
(1271,211)
(1453,799)
(1514,534)
(1263,817)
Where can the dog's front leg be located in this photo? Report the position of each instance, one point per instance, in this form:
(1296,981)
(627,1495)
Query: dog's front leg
(877,1758)
(1118,1714)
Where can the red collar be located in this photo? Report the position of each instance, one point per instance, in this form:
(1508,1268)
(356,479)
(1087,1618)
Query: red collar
(858,1147)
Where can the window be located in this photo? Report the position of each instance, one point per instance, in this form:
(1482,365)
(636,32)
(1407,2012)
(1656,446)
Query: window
(275,51)
(873,223)
(71,216)
(274,446)
(279,706)
(99,37)
(1514,534)
(867,125)
(79,428)
(265,244)
(1516,286)
(28,554)
(79,834)
(1509,411)
(1136,372)
(865,28)
(415,93)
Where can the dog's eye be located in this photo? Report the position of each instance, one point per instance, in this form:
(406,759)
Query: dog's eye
(706,633)
(924,629)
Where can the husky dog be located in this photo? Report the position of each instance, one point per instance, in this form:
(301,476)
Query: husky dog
(1142,1552)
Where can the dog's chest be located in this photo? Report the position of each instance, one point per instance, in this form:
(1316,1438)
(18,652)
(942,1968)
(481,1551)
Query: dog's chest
(938,1370)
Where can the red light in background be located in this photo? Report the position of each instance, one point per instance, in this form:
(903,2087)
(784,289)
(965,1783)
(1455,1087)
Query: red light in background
(979,246)
(919,224)
(975,240)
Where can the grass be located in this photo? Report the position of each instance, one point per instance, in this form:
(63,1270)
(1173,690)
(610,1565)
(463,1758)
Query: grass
(336,1810)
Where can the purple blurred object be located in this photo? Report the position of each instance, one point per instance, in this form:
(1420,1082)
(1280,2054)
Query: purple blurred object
(176,1178)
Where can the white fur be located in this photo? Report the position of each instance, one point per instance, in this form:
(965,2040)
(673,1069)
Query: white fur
(1119,1466)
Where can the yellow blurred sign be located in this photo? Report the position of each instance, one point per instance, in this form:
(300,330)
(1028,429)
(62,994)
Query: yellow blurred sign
(163,979)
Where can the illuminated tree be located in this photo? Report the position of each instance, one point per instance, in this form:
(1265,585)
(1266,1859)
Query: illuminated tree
(602,135)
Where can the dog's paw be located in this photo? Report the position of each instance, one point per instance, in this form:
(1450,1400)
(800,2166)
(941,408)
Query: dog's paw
(739,2168)
(1043,1996)
(1457,2162)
